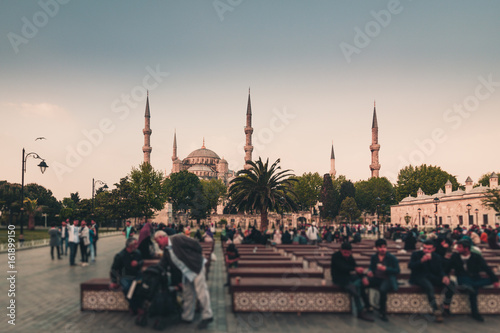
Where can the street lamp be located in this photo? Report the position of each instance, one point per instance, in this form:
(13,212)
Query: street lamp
(468,213)
(419,221)
(477,219)
(43,166)
(93,190)
(436,203)
(320,205)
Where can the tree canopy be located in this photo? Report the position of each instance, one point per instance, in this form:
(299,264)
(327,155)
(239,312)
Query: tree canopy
(263,188)
(429,178)
(374,192)
(329,197)
(307,188)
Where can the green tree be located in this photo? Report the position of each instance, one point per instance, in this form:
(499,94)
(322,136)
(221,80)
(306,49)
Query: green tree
(329,197)
(349,210)
(32,208)
(492,199)
(214,190)
(199,206)
(10,197)
(485,179)
(181,189)
(263,188)
(51,206)
(347,189)
(147,190)
(367,192)
(429,178)
(307,188)
(68,210)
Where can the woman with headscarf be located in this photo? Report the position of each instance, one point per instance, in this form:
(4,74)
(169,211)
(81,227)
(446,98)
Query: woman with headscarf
(209,236)
(145,244)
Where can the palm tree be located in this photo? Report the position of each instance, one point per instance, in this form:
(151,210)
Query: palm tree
(32,208)
(262,188)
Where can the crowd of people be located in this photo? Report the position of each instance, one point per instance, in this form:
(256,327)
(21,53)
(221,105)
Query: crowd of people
(443,250)
(74,236)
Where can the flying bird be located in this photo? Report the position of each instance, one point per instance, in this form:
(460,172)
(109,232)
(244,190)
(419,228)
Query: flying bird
(40,138)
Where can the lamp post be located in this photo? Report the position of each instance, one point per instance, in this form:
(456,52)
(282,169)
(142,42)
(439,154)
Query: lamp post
(43,166)
(320,205)
(93,191)
(468,213)
(436,203)
(477,218)
(419,221)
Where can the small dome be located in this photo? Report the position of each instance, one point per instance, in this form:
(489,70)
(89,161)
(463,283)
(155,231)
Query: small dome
(203,152)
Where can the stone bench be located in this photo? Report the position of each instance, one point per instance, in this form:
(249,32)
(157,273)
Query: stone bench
(288,295)
(95,295)
(269,263)
(274,272)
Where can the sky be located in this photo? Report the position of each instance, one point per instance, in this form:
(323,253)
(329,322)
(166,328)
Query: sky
(76,73)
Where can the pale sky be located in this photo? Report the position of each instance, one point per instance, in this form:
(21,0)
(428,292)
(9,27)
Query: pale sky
(314,68)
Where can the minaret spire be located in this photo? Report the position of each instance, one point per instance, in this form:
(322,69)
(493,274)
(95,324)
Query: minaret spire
(146,149)
(333,172)
(375,147)
(174,153)
(248,134)
(203,146)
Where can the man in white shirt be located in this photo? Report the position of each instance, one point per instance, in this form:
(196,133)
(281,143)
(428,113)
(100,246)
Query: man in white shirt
(73,240)
(312,234)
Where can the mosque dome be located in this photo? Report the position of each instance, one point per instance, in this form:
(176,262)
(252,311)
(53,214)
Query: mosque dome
(203,153)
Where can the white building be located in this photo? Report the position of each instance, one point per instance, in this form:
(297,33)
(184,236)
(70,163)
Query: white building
(454,208)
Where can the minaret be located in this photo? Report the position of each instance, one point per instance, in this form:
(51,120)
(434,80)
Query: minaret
(375,147)
(147,134)
(332,164)
(174,153)
(248,134)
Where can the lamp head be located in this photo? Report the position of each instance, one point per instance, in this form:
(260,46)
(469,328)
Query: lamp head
(43,166)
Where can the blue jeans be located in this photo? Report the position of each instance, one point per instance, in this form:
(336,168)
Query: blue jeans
(73,249)
(475,284)
(126,283)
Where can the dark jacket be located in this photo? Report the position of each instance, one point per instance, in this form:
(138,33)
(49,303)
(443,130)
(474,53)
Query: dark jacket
(392,268)
(475,265)
(121,265)
(341,268)
(286,238)
(433,268)
(168,265)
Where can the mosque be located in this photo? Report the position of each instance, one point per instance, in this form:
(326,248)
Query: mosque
(206,164)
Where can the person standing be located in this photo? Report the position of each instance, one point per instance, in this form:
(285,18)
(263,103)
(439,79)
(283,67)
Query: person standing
(64,239)
(73,240)
(129,230)
(382,274)
(54,241)
(96,236)
(186,255)
(84,243)
(312,234)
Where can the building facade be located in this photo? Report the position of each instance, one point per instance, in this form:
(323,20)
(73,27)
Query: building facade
(454,208)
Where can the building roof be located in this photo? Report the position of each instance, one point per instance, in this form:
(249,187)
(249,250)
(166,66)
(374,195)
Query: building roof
(468,180)
(203,152)
(200,167)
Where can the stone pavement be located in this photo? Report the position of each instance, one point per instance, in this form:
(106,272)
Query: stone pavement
(48,300)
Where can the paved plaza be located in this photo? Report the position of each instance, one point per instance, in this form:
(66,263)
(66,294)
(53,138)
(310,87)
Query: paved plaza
(48,300)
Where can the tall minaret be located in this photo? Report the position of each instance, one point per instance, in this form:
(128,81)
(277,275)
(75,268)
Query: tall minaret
(248,134)
(174,154)
(375,147)
(147,133)
(332,164)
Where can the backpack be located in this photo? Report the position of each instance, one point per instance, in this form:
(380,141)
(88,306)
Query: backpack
(154,280)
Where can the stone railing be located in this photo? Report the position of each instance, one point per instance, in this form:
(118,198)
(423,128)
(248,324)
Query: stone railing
(45,242)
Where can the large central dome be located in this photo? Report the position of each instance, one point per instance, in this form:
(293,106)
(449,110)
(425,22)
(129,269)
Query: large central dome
(204,153)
